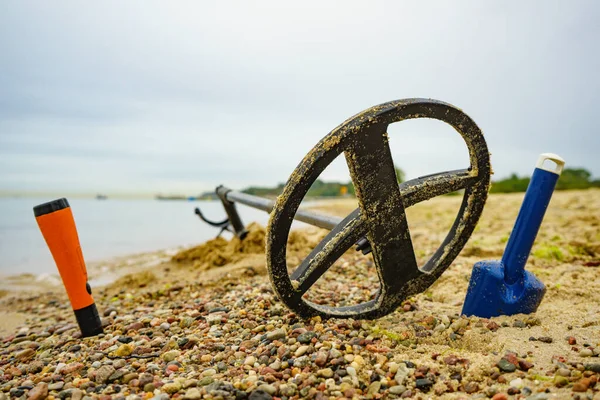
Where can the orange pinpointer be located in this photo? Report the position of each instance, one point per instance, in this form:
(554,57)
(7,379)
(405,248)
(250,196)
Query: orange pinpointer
(56,222)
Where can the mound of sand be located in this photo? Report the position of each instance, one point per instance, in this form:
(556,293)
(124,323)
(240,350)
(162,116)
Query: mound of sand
(219,251)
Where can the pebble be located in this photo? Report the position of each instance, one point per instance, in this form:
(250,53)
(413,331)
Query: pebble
(321,358)
(170,355)
(506,366)
(423,384)
(593,367)
(124,350)
(518,383)
(301,351)
(306,337)
(56,386)
(39,392)
(238,341)
(270,389)
(374,387)
(192,394)
(165,326)
(25,354)
(397,389)
(276,334)
(171,388)
(560,381)
(259,395)
(538,396)
(519,324)
(586,352)
(103,373)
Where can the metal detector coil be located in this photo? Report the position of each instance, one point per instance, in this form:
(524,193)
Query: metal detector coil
(379,225)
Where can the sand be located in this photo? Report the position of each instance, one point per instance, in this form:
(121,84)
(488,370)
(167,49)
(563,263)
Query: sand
(428,329)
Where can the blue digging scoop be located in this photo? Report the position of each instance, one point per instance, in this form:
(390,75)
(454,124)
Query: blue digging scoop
(503,287)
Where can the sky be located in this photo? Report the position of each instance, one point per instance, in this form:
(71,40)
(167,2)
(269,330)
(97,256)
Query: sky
(145,97)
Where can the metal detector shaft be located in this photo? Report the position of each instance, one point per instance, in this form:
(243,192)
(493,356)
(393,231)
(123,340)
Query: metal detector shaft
(312,218)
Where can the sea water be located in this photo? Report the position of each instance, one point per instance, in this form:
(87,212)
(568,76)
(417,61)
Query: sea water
(108,228)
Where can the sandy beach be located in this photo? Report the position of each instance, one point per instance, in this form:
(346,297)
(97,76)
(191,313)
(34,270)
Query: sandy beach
(204,322)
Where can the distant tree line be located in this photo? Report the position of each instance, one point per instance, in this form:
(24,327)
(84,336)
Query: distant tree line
(571,178)
(319,188)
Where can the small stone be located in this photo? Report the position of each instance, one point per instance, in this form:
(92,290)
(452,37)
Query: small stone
(492,326)
(25,354)
(351,371)
(125,339)
(582,385)
(398,389)
(170,355)
(326,373)
(500,396)
(471,387)
(124,350)
(572,341)
(270,389)
(374,387)
(301,362)
(306,337)
(207,380)
(76,394)
(321,358)
(593,367)
(276,366)
(129,377)
(423,384)
(165,326)
(563,372)
(171,388)
(513,390)
(259,395)
(149,387)
(103,373)
(518,383)
(16,392)
(39,392)
(192,394)
(136,326)
(56,386)
(115,376)
(518,324)
(560,381)
(538,396)
(146,378)
(301,351)
(586,352)
(206,358)
(214,319)
(545,339)
(525,365)
(276,334)
(250,360)
(506,366)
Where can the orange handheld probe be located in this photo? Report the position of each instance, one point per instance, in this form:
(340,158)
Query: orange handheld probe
(56,222)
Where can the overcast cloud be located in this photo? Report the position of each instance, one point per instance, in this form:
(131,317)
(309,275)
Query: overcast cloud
(149,96)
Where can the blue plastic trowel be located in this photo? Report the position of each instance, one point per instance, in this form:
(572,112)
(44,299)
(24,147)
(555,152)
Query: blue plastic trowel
(503,287)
